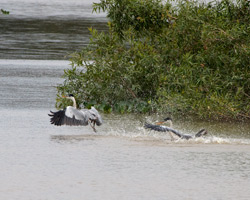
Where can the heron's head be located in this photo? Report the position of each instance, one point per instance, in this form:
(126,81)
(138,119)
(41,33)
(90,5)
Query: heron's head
(166,120)
(71,96)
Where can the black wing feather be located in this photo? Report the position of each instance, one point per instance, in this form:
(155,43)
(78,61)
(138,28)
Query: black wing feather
(155,127)
(166,129)
(59,118)
(202,132)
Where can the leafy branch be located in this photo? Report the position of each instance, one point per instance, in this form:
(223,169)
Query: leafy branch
(5,12)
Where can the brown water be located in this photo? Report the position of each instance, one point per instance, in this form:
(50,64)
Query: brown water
(122,160)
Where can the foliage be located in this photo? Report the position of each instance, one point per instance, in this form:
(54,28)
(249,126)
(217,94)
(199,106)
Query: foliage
(5,12)
(143,17)
(190,58)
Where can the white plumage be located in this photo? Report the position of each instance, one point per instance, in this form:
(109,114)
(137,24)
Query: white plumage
(74,117)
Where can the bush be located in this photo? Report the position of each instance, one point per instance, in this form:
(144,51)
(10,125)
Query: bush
(190,58)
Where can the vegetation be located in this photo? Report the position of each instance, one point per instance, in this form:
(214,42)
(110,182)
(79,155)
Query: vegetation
(4,12)
(190,58)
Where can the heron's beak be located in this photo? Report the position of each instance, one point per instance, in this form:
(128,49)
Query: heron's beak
(159,123)
(63,96)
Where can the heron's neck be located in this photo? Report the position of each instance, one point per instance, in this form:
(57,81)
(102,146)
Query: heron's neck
(74,102)
(170,124)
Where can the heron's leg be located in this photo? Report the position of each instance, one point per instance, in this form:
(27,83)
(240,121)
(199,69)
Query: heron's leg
(171,135)
(92,126)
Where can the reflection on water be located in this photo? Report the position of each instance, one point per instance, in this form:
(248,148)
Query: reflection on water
(76,137)
(44,39)
(46,29)
(29,83)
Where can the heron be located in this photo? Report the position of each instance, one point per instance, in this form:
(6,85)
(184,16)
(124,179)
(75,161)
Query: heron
(75,117)
(169,121)
(161,128)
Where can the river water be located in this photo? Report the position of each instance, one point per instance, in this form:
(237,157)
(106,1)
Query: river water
(121,160)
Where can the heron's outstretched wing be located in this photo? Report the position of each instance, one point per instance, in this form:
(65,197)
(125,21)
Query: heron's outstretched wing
(202,132)
(166,129)
(162,129)
(69,116)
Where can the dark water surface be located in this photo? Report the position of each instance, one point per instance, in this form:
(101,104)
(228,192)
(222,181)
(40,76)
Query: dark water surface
(120,161)
(46,29)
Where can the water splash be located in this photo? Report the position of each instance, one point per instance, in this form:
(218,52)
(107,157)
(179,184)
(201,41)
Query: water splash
(131,127)
(139,133)
(215,140)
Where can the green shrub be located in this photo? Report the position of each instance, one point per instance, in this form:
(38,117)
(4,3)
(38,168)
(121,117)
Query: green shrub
(190,58)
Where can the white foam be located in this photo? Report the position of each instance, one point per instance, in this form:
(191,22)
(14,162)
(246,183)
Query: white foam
(139,133)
